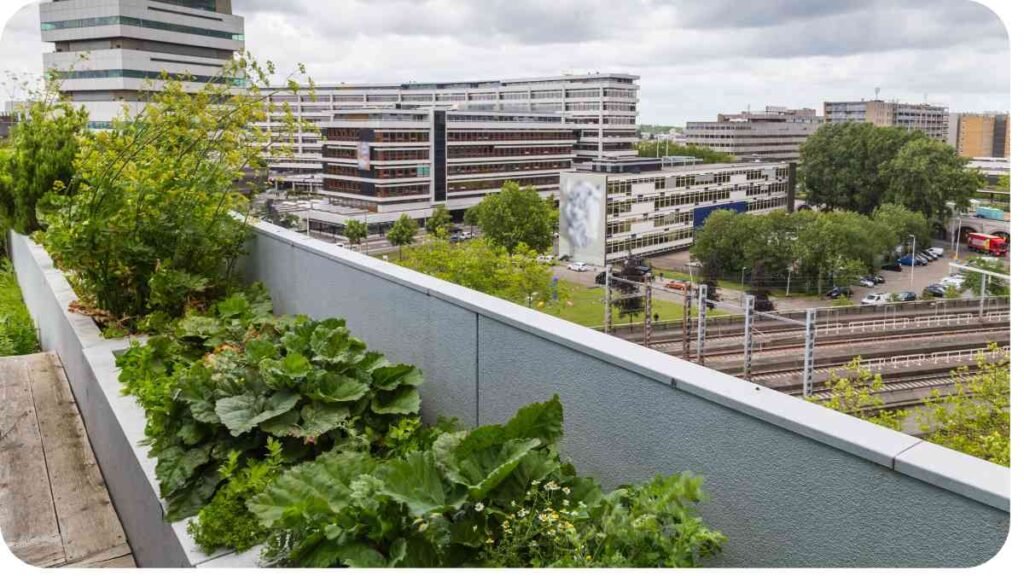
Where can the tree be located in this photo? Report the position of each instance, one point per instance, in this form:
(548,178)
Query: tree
(841,164)
(1003,183)
(993,286)
(148,226)
(855,393)
(471,217)
(925,175)
(41,157)
(899,223)
(482,266)
(661,148)
(439,222)
(516,215)
(356,231)
(402,233)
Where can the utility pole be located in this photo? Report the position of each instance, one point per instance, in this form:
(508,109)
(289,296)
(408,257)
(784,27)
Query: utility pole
(981,301)
(607,299)
(810,331)
(702,320)
(748,335)
(789,275)
(648,326)
(913,261)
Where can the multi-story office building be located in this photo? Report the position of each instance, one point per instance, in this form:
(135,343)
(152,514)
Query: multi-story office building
(775,134)
(932,120)
(604,106)
(613,209)
(397,160)
(111,53)
(983,135)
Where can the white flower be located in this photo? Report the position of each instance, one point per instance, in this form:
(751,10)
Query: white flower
(479,507)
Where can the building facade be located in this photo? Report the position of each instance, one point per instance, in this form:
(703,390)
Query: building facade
(110,53)
(603,106)
(610,210)
(774,134)
(983,135)
(397,160)
(930,119)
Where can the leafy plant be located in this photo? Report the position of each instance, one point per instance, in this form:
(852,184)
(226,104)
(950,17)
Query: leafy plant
(856,394)
(224,382)
(402,233)
(17,331)
(496,495)
(515,215)
(147,224)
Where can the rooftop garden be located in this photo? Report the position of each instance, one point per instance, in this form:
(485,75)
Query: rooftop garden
(280,431)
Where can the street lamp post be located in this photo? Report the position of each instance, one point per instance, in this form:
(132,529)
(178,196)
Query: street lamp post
(743,277)
(959,224)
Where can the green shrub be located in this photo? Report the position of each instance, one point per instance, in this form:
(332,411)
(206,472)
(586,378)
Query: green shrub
(217,386)
(17,332)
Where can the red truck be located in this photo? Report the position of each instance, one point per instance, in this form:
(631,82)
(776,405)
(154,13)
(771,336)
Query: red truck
(986,243)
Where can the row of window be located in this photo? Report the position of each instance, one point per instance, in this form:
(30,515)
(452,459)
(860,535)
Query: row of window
(767,204)
(140,22)
(528,166)
(501,136)
(371,190)
(379,173)
(634,244)
(146,75)
(497,183)
(488,151)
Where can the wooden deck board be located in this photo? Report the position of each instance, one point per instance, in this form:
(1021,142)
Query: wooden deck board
(47,466)
(27,516)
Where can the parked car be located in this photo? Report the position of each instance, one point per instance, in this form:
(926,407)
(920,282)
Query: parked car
(935,252)
(546,258)
(893,267)
(600,278)
(838,291)
(928,255)
(342,244)
(936,290)
(904,297)
(954,281)
(877,278)
(455,238)
(875,298)
(676,285)
(579,267)
(907,260)
(866,282)
(466,235)
(563,258)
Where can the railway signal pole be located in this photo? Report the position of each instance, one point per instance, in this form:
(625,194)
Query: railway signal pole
(607,299)
(748,335)
(702,321)
(810,331)
(648,326)
(687,307)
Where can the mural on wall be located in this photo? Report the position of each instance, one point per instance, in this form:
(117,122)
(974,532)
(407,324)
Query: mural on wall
(582,218)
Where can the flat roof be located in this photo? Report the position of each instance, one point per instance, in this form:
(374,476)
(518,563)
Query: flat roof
(455,85)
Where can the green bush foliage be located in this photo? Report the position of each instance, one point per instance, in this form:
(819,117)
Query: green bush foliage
(219,384)
(516,215)
(148,224)
(498,495)
(17,331)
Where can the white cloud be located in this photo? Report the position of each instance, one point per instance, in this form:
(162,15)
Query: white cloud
(695,57)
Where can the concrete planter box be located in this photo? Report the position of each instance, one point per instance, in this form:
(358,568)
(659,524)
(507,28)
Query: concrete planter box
(115,423)
(790,483)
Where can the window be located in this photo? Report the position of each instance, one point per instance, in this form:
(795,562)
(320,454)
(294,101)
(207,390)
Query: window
(140,22)
(145,74)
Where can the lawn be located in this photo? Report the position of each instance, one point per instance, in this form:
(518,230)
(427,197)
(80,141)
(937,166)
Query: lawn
(17,332)
(587,307)
(733,285)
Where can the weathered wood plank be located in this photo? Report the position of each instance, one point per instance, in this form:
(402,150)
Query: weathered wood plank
(89,526)
(27,516)
(112,558)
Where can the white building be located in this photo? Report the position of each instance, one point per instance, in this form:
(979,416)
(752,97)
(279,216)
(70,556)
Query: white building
(774,134)
(110,53)
(604,106)
(613,209)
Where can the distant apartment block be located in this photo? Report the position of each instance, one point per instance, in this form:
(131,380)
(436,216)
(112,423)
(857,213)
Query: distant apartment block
(774,134)
(644,206)
(603,106)
(111,53)
(983,135)
(930,119)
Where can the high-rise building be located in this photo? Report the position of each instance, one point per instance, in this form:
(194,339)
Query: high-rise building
(930,119)
(111,53)
(983,135)
(604,106)
(395,160)
(776,133)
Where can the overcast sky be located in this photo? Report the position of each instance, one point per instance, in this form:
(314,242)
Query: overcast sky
(695,58)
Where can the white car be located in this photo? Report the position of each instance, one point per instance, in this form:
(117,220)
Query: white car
(866,282)
(875,298)
(545,258)
(466,235)
(342,244)
(579,267)
(954,281)
(938,252)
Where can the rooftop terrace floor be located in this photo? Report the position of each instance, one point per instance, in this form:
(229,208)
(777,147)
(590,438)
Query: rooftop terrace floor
(54,506)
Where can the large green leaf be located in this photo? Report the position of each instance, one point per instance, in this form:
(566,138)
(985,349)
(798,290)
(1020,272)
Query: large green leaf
(281,425)
(309,489)
(187,500)
(333,387)
(203,328)
(416,482)
(241,414)
(485,457)
(195,388)
(175,466)
(391,377)
(259,348)
(542,420)
(295,366)
(405,400)
(319,418)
